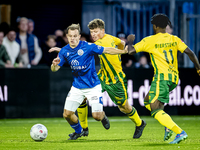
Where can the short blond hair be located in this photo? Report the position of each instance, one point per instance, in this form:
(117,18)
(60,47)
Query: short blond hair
(73,27)
(96,23)
(23,19)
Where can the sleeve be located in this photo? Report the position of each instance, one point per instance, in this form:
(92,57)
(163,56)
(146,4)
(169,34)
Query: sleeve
(38,51)
(96,49)
(62,58)
(140,46)
(117,40)
(181,46)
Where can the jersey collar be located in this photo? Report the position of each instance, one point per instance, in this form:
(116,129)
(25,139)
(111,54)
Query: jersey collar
(77,47)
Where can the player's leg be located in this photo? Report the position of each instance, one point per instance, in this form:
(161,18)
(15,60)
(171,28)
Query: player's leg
(99,115)
(73,101)
(82,111)
(72,119)
(131,112)
(94,96)
(168,132)
(118,94)
(164,119)
(158,95)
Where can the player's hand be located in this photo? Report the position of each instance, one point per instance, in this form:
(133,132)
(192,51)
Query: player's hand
(130,39)
(56,61)
(55,49)
(198,71)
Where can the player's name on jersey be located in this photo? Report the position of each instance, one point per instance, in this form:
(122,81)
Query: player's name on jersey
(164,45)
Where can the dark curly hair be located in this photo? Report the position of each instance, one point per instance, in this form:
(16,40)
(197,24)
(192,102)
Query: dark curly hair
(160,20)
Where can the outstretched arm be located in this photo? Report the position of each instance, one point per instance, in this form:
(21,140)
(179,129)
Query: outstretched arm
(193,58)
(131,49)
(54,65)
(114,51)
(55,49)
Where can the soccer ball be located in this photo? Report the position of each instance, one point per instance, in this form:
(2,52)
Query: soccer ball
(38,132)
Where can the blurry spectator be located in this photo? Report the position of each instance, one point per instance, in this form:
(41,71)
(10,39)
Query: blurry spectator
(142,63)
(122,36)
(31,27)
(4,58)
(58,33)
(30,51)
(169,29)
(60,40)
(65,39)
(12,48)
(47,57)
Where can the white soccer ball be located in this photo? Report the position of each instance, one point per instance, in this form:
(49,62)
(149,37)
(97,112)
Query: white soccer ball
(38,132)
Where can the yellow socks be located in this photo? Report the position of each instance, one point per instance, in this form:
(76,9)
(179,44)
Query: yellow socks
(83,114)
(133,115)
(165,120)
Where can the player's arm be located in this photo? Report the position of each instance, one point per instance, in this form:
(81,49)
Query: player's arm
(54,65)
(130,48)
(55,49)
(193,58)
(121,45)
(114,51)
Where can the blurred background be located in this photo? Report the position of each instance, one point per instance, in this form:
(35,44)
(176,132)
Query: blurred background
(29,89)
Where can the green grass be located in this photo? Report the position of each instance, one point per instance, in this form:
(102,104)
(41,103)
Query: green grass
(15,134)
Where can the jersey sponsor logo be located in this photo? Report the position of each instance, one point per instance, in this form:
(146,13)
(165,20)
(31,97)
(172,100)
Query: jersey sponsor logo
(80,52)
(74,62)
(75,65)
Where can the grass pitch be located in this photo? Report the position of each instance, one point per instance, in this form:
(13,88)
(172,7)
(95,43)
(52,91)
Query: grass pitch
(15,134)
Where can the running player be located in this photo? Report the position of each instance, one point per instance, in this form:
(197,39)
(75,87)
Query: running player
(163,48)
(113,80)
(80,56)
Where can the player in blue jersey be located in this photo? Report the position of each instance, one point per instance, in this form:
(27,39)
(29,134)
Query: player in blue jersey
(80,56)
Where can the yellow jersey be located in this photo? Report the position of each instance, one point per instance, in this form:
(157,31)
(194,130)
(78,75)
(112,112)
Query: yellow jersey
(163,49)
(111,69)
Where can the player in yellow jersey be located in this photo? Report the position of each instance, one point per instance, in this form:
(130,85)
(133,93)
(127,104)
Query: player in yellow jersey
(113,80)
(163,49)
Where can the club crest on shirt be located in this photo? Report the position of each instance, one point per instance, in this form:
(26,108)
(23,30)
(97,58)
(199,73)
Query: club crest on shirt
(80,52)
